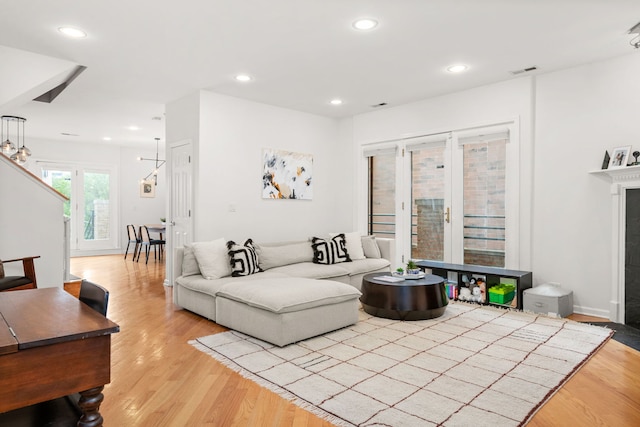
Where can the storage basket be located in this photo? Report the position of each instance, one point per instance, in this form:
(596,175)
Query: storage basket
(502,294)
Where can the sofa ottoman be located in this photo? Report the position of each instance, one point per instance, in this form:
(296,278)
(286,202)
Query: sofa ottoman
(286,310)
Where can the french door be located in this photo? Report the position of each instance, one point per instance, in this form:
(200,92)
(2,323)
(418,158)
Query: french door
(91,206)
(454,196)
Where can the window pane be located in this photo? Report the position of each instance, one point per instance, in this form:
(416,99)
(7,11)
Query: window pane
(61,182)
(427,203)
(484,203)
(96,206)
(382,195)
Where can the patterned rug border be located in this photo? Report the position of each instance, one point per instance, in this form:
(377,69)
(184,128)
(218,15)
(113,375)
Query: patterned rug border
(340,422)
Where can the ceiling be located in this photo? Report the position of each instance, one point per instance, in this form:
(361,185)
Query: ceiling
(301,54)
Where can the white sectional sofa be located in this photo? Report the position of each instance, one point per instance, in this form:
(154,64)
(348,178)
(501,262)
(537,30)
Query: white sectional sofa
(273,303)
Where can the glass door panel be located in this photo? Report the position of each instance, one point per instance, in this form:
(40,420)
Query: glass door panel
(484,190)
(382,195)
(97,212)
(428,203)
(60,180)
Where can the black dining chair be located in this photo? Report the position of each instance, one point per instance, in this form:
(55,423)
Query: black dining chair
(133,238)
(147,242)
(95,296)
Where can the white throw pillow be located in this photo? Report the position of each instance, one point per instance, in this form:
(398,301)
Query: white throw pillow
(189,262)
(354,244)
(370,247)
(213,258)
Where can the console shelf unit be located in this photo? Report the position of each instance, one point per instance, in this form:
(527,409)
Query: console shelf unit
(523,279)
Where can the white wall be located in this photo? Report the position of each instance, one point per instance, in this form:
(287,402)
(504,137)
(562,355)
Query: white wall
(132,208)
(231,135)
(581,112)
(25,231)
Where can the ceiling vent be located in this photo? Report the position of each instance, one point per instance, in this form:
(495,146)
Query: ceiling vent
(524,70)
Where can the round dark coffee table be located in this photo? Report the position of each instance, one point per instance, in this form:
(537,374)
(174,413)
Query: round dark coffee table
(416,299)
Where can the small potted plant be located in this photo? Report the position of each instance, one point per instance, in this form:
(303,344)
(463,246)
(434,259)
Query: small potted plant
(163,221)
(412,268)
(399,272)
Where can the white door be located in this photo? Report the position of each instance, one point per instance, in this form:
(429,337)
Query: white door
(180,221)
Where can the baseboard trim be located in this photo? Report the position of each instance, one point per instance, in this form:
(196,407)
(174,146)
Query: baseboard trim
(590,311)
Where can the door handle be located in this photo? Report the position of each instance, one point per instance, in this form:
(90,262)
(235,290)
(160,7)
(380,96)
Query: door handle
(447,216)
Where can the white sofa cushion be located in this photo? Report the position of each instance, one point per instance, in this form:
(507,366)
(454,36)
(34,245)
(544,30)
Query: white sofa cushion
(310,270)
(288,294)
(213,259)
(354,244)
(364,265)
(276,256)
(211,287)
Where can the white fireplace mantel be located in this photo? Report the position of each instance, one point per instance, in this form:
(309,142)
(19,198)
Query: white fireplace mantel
(621,179)
(623,174)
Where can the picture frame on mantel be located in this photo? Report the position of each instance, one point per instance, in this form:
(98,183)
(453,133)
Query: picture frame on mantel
(619,157)
(606,160)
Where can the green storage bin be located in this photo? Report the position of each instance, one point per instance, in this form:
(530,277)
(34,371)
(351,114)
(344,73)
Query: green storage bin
(502,294)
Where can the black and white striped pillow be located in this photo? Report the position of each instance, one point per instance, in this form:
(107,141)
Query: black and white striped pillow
(244,259)
(330,251)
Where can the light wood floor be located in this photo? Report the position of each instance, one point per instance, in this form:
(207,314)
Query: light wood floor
(158,379)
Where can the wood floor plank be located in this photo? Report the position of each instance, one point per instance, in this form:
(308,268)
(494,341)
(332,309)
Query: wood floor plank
(158,379)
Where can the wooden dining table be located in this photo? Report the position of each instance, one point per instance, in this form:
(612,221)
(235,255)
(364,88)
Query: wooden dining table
(53,345)
(157,228)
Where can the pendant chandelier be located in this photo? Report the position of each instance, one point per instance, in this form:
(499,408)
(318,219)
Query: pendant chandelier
(17,151)
(158,164)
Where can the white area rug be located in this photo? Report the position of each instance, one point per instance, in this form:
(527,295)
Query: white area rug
(475,365)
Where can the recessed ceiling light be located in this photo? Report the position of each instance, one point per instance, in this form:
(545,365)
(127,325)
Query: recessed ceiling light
(76,33)
(336,101)
(243,78)
(133,128)
(106,138)
(458,68)
(365,24)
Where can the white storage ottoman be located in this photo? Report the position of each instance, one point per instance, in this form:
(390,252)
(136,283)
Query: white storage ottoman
(548,299)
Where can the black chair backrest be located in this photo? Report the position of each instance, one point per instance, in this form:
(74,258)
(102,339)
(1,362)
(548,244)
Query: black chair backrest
(131,232)
(144,234)
(95,296)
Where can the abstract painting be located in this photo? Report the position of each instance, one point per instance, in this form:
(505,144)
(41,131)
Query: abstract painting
(286,175)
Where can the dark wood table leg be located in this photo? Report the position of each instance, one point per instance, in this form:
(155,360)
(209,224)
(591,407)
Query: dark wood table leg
(89,404)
